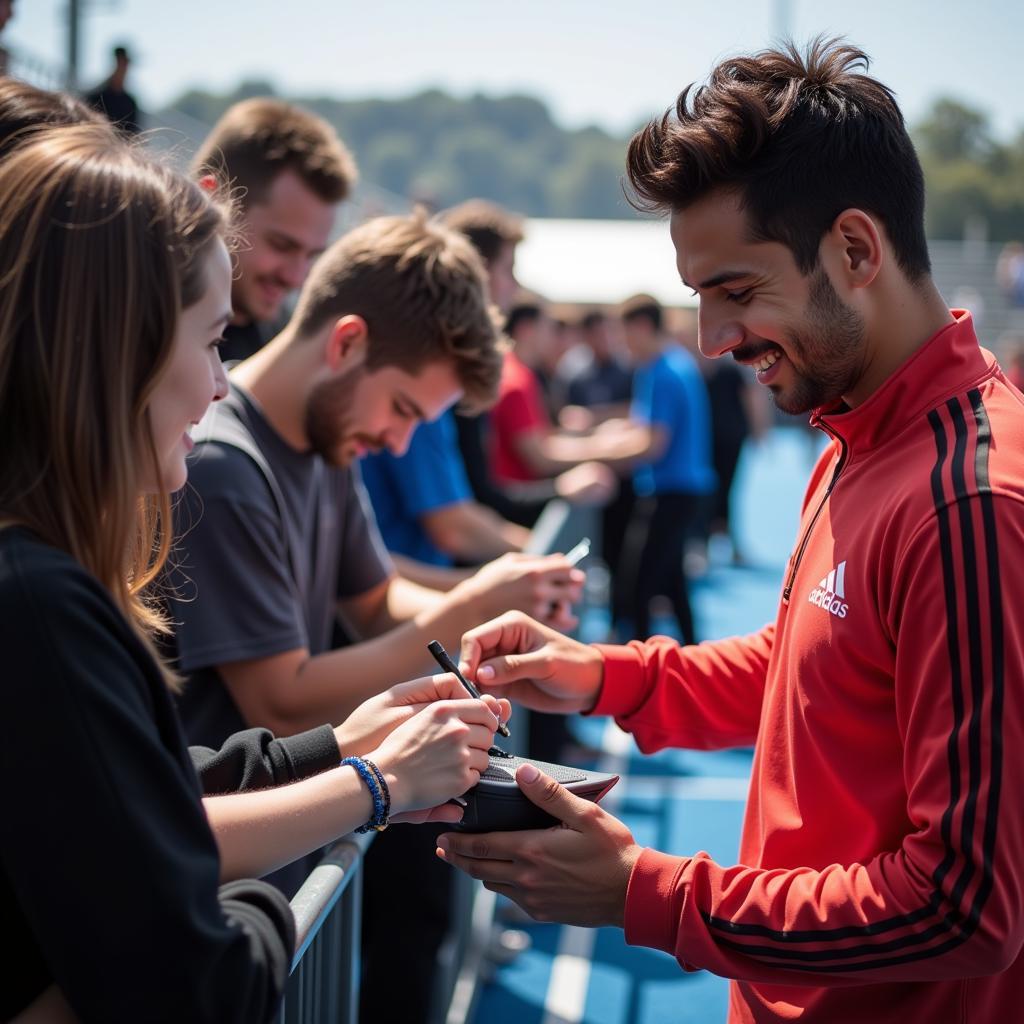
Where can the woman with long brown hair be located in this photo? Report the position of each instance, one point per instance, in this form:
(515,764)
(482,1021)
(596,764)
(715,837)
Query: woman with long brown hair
(114,286)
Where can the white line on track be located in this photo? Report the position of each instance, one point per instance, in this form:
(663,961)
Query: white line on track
(570,973)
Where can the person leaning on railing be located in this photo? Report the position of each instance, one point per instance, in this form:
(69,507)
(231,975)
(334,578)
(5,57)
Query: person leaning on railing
(116,284)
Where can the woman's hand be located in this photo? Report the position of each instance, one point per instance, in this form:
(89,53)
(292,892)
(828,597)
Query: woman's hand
(437,754)
(375,719)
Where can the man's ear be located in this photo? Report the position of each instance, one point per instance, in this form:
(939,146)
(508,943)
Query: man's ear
(346,344)
(855,248)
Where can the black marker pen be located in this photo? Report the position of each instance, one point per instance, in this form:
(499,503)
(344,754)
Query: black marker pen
(441,657)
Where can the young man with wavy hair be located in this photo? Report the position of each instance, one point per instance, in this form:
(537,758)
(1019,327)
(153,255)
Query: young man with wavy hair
(290,172)
(879,874)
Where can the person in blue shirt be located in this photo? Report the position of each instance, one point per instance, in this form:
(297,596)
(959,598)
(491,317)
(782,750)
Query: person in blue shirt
(675,474)
(425,507)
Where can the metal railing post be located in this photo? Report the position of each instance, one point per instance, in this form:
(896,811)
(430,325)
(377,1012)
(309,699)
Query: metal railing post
(324,985)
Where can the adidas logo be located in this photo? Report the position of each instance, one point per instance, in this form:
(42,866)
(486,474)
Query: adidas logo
(830,593)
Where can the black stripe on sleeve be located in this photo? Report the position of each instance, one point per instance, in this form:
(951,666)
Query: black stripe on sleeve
(952,919)
(974,651)
(997,648)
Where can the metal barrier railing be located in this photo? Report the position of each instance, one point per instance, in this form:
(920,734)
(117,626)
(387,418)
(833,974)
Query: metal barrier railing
(324,984)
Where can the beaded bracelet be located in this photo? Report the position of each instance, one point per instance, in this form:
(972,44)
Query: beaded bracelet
(385,792)
(374,779)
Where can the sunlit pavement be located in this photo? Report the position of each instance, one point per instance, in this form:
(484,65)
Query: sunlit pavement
(677,801)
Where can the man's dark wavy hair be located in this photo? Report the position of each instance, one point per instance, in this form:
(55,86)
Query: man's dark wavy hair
(800,138)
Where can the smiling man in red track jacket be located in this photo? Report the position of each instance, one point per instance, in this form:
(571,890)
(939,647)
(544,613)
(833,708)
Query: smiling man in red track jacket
(881,874)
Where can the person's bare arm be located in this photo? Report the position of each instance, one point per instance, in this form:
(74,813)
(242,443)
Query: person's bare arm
(433,577)
(395,600)
(580,418)
(548,453)
(471,532)
(293,691)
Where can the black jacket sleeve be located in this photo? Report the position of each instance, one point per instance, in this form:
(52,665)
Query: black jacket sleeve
(109,864)
(254,759)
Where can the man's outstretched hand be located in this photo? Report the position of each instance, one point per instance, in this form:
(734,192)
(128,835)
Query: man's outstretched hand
(520,659)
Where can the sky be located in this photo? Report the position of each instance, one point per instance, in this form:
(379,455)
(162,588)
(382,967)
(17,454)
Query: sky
(593,62)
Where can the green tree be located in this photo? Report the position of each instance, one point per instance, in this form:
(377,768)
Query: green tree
(445,149)
(954,131)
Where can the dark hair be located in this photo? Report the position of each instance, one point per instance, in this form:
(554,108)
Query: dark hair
(592,319)
(25,109)
(524,313)
(800,139)
(642,307)
(422,291)
(258,139)
(486,225)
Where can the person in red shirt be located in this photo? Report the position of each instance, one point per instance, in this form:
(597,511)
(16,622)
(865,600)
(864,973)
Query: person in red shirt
(525,444)
(879,872)
(519,415)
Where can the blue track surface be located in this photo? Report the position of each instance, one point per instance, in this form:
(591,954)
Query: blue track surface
(678,801)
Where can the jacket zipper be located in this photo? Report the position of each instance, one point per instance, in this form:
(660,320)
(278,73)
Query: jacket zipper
(791,579)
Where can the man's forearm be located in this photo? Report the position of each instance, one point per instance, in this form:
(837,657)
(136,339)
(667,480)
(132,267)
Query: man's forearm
(548,455)
(401,600)
(330,686)
(616,450)
(471,532)
(441,578)
(487,535)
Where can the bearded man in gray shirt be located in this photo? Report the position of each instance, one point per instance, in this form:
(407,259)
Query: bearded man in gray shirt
(276,540)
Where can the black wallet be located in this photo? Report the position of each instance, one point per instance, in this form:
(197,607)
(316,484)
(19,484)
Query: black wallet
(497,804)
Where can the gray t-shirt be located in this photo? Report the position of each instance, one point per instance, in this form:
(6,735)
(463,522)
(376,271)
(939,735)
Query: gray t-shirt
(250,582)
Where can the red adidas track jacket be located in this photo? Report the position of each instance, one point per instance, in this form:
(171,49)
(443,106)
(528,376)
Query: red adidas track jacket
(881,874)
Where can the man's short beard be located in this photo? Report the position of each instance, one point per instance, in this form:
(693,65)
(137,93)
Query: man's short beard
(830,345)
(328,412)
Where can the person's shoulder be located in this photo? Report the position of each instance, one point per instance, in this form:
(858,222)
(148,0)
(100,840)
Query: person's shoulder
(679,366)
(42,583)
(219,469)
(680,360)
(516,375)
(226,460)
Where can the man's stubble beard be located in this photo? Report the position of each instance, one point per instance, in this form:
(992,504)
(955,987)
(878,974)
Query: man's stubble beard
(830,347)
(328,416)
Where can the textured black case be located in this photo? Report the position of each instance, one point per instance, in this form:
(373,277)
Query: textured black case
(496,803)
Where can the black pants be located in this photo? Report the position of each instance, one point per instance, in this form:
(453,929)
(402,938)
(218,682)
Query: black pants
(407,899)
(726,454)
(652,561)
